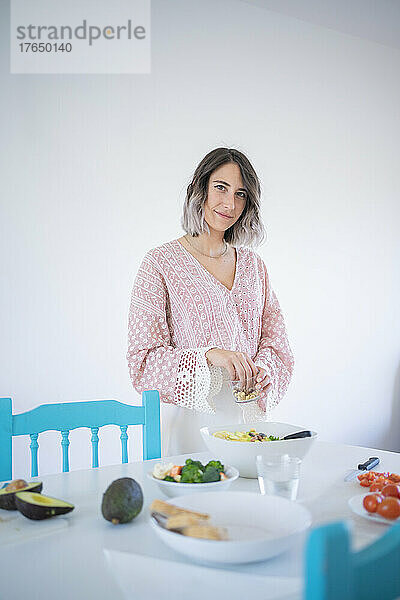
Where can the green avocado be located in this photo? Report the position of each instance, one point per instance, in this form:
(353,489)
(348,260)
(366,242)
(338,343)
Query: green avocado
(38,507)
(122,501)
(7,498)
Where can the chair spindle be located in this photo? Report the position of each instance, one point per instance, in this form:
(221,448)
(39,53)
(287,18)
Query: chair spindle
(124,443)
(95,446)
(34,445)
(65,449)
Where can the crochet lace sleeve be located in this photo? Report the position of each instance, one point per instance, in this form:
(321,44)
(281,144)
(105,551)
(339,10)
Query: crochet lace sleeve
(274,353)
(181,376)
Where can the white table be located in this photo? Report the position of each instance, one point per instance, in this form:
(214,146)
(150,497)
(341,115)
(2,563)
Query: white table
(71,564)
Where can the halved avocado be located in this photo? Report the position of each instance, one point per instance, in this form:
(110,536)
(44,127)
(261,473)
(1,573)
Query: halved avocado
(38,507)
(7,498)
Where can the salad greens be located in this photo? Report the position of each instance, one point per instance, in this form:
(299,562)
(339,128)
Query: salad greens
(193,471)
(210,474)
(215,463)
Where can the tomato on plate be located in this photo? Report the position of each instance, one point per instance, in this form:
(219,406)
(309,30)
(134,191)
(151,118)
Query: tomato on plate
(371,502)
(369,475)
(389,508)
(392,490)
(377,481)
(365,482)
(377,486)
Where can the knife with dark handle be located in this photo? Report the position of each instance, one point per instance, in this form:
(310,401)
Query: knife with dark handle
(367,466)
(297,435)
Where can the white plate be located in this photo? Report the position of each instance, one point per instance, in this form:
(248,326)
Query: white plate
(243,454)
(259,527)
(172,488)
(356,505)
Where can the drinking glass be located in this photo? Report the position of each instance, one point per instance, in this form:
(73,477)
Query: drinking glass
(279,475)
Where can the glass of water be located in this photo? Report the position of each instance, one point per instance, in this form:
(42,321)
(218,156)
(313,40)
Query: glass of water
(279,475)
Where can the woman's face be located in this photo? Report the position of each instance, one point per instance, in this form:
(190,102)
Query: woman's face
(226,197)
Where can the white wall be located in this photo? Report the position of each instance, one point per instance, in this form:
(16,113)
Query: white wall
(93,173)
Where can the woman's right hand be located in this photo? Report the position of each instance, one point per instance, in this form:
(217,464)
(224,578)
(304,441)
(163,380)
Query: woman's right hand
(238,364)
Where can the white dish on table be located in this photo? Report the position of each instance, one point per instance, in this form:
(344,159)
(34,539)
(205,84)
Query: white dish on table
(173,488)
(356,505)
(259,527)
(243,454)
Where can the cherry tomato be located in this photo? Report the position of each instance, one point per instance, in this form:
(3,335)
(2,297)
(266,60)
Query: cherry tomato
(389,508)
(381,478)
(376,486)
(365,482)
(392,490)
(371,502)
(366,479)
(367,475)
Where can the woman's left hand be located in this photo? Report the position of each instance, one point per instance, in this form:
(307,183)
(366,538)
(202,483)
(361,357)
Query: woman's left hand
(263,382)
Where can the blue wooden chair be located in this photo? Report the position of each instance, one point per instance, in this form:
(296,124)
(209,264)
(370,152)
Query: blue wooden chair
(334,572)
(71,415)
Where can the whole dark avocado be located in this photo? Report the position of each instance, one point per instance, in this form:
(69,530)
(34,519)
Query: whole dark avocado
(122,501)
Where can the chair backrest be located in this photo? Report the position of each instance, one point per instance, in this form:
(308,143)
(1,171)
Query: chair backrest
(71,415)
(333,571)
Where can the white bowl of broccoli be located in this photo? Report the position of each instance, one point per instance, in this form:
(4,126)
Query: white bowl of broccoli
(193,476)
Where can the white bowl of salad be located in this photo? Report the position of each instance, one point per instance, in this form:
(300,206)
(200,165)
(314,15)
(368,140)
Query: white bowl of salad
(239,444)
(193,476)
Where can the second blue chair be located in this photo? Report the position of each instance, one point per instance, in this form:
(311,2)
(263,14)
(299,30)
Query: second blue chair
(335,572)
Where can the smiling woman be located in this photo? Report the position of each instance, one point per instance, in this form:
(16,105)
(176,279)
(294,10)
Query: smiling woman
(203,312)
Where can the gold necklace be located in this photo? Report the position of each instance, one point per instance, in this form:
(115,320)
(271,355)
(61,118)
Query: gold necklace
(224,251)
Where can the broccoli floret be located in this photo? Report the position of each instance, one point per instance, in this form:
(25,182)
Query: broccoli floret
(215,463)
(169,478)
(191,473)
(197,463)
(211,474)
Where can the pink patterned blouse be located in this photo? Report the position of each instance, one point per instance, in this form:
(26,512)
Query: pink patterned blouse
(179,310)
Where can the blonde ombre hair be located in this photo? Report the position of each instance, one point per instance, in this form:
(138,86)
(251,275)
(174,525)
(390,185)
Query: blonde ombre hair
(248,229)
